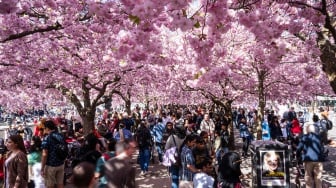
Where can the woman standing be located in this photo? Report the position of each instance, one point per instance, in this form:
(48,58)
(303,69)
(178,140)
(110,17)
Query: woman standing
(34,163)
(16,164)
(245,135)
(176,139)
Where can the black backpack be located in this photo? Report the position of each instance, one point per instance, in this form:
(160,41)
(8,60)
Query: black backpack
(144,137)
(329,124)
(61,147)
(224,139)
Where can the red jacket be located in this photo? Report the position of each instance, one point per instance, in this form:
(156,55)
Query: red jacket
(296,128)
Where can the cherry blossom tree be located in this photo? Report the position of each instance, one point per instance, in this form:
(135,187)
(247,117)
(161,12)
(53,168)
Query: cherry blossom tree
(81,50)
(88,50)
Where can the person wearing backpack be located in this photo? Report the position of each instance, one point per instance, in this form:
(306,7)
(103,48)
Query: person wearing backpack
(52,163)
(325,125)
(144,140)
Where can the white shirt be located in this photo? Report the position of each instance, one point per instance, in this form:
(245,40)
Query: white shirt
(203,180)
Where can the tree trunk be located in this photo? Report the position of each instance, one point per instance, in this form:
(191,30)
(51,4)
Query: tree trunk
(328,59)
(88,123)
(261,96)
(228,113)
(261,105)
(128,106)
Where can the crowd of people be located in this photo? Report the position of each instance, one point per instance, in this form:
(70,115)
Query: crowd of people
(193,142)
(306,138)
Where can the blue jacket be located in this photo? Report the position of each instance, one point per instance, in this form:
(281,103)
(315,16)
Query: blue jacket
(157,132)
(127,134)
(265,131)
(244,132)
(310,147)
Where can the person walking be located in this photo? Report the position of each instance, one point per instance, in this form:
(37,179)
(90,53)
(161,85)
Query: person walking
(324,127)
(144,140)
(157,132)
(311,150)
(16,164)
(119,172)
(176,139)
(245,135)
(99,170)
(52,166)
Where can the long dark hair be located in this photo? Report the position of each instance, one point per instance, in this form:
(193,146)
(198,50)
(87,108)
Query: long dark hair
(36,144)
(180,132)
(229,170)
(18,140)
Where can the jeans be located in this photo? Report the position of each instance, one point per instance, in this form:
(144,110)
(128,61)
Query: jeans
(246,144)
(174,170)
(144,159)
(159,151)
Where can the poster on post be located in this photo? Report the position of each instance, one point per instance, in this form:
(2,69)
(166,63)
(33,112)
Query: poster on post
(273,168)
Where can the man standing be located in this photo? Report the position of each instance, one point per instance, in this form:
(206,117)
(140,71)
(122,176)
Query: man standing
(157,133)
(52,166)
(311,149)
(208,125)
(118,170)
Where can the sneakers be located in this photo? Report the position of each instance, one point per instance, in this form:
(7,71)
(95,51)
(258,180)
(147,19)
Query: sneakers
(143,173)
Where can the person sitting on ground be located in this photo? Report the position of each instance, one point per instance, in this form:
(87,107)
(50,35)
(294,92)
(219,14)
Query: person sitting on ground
(83,175)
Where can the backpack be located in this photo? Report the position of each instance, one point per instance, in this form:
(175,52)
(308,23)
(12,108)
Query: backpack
(329,124)
(224,139)
(144,138)
(61,148)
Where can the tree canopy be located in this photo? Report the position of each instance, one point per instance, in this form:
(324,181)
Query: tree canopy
(89,51)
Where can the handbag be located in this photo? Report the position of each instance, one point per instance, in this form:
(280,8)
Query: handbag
(171,156)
